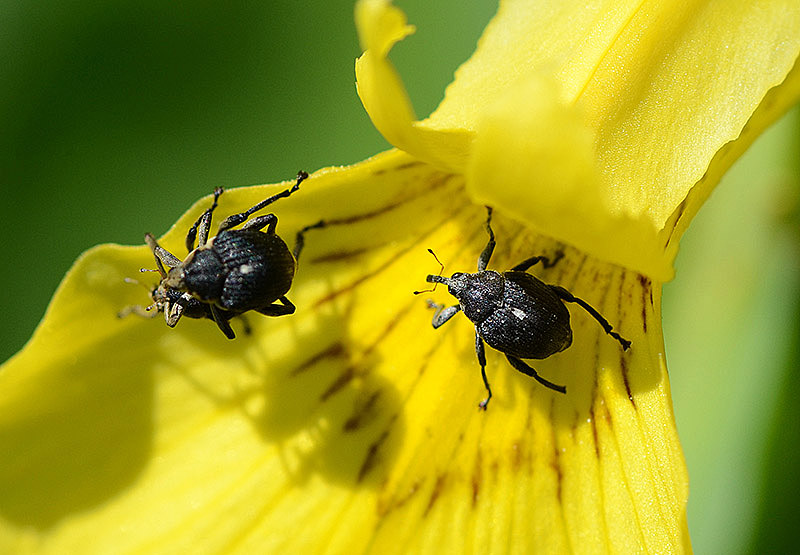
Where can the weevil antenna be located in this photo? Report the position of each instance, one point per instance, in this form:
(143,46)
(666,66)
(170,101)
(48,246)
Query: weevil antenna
(137,282)
(441,269)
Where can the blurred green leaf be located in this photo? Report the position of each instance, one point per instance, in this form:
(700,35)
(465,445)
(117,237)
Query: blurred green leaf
(730,323)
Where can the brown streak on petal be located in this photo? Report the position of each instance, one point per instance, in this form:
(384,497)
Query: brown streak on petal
(594,434)
(344,378)
(517,448)
(624,366)
(350,372)
(678,214)
(555,464)
(358,419)
(366,215)
(340,256)
(336,350)
(383,267)
(607,416)
(346,289)
(372,456)
(644,281)
(361,279)
(437,490)
(477,479)
(434,184)
(389,327)
(384,508)
(406,166)
(578,272)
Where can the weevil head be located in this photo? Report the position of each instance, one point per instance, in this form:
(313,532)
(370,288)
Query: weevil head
(479,294)
(164,297)
(174,279)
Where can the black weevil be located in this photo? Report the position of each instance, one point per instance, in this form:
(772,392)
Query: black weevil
(515,313)
(236,271)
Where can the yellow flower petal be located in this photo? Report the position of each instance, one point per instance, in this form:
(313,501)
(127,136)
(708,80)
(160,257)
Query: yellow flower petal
(654,133)
(550,181)
(380,25)
(352,425)
(660,88)
(775,103)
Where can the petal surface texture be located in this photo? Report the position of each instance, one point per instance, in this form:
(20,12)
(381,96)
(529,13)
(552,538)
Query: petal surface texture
(351,425)
(638,96)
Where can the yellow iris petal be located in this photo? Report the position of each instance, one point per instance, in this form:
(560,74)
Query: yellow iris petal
(352,426)
(381,91)
(510,167)
(659,88)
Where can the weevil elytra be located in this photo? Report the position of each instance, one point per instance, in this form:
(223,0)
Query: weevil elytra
(236,271)
(514,312)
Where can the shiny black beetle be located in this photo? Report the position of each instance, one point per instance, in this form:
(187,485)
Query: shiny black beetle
(236,271)
(514,312)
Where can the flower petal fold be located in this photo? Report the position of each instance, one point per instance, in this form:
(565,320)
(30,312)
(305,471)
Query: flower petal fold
(381,90)
(661,88)
(550,181)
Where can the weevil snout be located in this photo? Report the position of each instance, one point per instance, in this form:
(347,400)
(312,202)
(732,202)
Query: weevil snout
(433,278)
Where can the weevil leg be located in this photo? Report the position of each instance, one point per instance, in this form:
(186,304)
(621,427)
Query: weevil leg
(528,371)
(161,255)
(300,239)
(270,221)
(486,254)
(443,313)
(236,219)
(480,350)
(222,323)
(566,296)
(546,262)
(174,311)
(202,224)
(275,309)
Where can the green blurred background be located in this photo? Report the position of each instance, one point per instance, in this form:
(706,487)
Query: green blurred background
(117,116)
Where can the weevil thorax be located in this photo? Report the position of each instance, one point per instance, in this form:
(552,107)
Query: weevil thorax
(479,294)
(169,290)
(174,279)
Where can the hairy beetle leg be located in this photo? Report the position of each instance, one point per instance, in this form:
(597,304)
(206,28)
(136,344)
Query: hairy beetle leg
(300,238)
(235,219)
(480,351)
(546,262)
(203,224)
(570,298)
(274,309)
(486,254)
(443,313)
(222,323)
(161,254)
